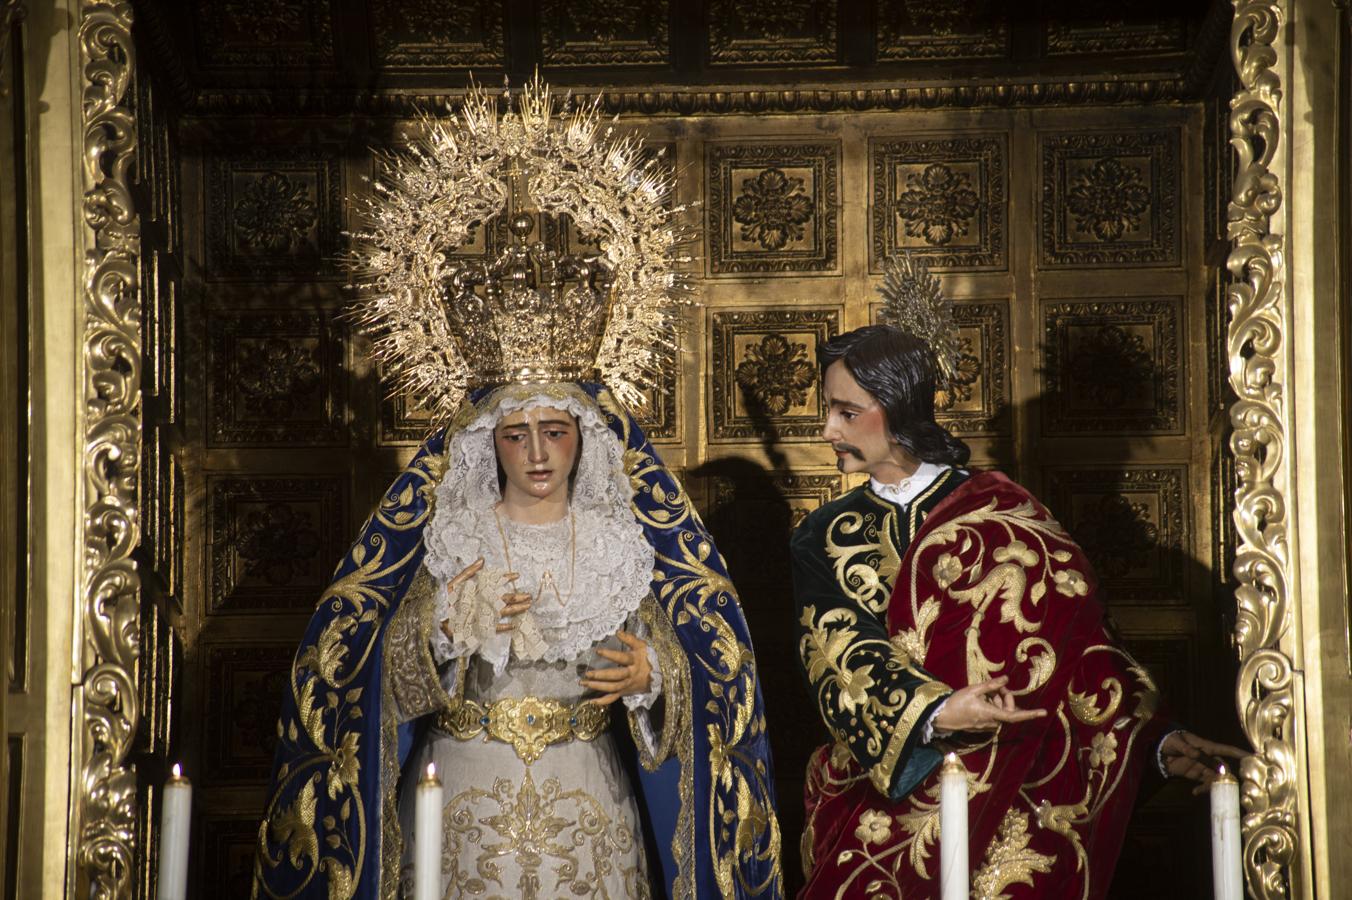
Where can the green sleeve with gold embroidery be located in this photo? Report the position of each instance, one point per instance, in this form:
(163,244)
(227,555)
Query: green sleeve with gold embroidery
(871,697)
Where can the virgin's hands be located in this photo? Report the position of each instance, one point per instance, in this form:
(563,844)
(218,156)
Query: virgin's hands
(514,603)
(631,674)
(455,584)
(1186,755)
(982,707)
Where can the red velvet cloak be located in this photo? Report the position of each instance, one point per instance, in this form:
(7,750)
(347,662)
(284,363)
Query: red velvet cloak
(991,585)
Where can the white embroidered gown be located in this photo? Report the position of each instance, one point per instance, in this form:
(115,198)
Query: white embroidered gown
(567,824)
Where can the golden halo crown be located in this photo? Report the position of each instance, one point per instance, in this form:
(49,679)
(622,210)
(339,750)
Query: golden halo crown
(913,301)
(444,323)
(533,315)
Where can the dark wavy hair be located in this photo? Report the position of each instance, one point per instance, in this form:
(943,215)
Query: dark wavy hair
(898,370)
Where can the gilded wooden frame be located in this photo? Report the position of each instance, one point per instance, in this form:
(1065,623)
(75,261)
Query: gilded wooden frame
(107,705)
(107,702)
(1258,345)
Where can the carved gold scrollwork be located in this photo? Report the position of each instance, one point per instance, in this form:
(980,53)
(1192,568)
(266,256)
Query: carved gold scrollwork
(1258,374)
(106,792)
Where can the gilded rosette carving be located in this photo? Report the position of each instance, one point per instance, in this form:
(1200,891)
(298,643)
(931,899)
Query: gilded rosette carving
(1256,344)
(107,694)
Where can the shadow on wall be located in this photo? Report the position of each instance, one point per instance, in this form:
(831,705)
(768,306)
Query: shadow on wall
(750,519)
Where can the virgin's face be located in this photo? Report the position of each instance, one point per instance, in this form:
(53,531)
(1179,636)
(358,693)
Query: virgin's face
(536,448)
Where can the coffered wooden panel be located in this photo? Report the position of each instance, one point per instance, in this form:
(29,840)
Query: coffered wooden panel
(274,215)
(785,33)
(245,34)
(765,506)
(763,372)
(1113,366)
(941,200)
(661,416)
(1110,198)
(246,684)
(227,856)
(1099,27)
(655,56)
(772,208)
(275,377)
(916,30)
(1171,662)
(1133,525)
(438,34)
(605,32)
(273,541)
(1152,864)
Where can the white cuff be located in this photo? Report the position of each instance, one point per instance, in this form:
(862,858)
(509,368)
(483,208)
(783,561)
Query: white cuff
(1159,751)
(927,733)
(646,701)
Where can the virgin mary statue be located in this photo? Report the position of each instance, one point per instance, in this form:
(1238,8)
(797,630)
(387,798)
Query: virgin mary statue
(534,612)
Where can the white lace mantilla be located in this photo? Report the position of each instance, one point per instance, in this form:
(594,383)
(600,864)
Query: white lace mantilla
(601,575)
(471,479)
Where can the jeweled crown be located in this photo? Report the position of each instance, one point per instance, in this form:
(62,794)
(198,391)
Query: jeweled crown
(532,315)
(444,324)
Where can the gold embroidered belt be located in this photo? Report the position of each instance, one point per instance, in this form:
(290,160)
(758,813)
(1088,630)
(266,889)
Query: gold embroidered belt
(529,724)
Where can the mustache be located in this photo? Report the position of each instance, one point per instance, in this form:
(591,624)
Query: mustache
(850,449)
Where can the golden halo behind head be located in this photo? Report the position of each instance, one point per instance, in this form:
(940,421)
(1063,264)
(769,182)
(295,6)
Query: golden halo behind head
(444,324)
(914,302)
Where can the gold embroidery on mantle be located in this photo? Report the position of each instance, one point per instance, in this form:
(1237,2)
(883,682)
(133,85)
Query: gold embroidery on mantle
(748,824)
(922,823)
(1085,709)
(327,710)
(675,699)
(1063,820)
(877,866)
(409,669)
(1107,757)
(1009,860)
(740,809)
(865,559)
(1016,564)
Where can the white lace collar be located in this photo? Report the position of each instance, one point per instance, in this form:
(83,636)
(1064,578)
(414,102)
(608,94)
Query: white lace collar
(613,565)
(906,490)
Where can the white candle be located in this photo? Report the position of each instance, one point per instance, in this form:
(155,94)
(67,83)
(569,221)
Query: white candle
(427,841)
(953,830)
(1225,849)
(175,822)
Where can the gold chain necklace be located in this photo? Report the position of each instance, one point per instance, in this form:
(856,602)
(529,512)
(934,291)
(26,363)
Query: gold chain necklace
(546,577)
